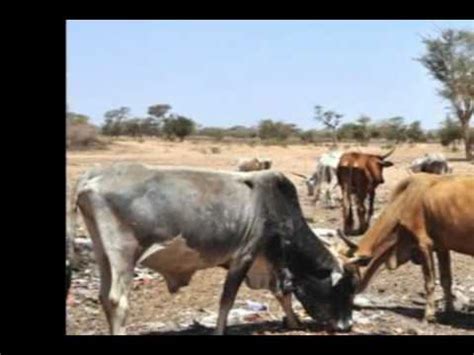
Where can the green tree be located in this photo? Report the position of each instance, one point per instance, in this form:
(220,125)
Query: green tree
(415,133)
(183,127)
(269,129)
(159,110)
(395,129)
(113,121)
(347,131)
(362,131)
(330,119)
(76,118)
(449,58)
(450,132)
(177,126)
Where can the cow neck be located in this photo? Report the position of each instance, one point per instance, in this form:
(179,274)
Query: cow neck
(378,243)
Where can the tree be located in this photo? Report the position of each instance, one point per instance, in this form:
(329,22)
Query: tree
(450,132)
(362,133)
(177,126)
(347,131)
(150,126)
(330,119)
(395,129)
(113,121)
(159,111)
(183,127)
(414,132)
(76,118)
(450,60)
(268,129)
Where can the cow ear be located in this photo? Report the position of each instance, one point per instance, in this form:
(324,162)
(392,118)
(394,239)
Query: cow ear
(386,163)
(249,183)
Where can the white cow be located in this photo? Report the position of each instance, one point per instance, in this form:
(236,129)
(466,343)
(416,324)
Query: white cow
(324,179)
(433,163)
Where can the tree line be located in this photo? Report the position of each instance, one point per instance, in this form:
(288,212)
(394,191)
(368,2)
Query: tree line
(449,59)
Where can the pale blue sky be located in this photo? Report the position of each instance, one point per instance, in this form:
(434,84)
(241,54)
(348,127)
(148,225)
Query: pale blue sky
(224,73)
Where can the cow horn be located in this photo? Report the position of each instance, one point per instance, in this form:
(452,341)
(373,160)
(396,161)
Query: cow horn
(300,175)
(336,276)
(388,154)
(346,240)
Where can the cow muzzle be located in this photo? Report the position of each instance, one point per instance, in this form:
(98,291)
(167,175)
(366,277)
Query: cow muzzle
(342,325)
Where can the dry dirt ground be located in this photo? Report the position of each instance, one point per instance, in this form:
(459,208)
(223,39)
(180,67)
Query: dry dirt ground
(392,304)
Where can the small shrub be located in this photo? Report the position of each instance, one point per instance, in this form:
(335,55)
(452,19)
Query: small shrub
(215,150)
(387,146)
(81,135)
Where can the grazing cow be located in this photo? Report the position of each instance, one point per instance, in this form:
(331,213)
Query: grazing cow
(432,163)
(254,164)
(426,213)
(324,178)
(359,174)
(180,220)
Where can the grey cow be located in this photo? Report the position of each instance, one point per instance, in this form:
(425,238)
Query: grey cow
(180,220)
(432,163)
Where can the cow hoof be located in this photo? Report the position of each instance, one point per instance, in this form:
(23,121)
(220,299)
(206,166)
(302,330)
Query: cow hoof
(293,325)
(429,318)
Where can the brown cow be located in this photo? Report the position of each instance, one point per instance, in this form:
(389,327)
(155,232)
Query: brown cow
(254,164)
(426,213)
(359,174)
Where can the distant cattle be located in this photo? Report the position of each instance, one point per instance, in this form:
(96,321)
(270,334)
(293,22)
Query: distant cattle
(323,181)
(426,213)
(254,164)
(432,163)
(359,174)
(180,220)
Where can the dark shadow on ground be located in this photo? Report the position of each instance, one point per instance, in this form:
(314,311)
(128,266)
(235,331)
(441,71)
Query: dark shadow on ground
(460,320)
(458,160)
(273,327)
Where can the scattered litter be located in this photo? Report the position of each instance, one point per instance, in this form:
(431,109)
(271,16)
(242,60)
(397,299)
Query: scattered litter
(324,232)
(255,306)
(362,301)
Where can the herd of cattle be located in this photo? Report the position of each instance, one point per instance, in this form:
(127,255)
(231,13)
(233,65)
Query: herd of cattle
(177,221)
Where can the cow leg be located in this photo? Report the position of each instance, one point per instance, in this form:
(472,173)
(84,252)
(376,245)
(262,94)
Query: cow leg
(292,321)
(347,211)
(444,264)
(115,264)
(371,206)
(361,213)
(429,276)
(234,278)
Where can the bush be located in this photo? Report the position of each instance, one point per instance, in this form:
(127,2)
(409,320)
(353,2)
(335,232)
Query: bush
(215,150)
(270,130)
(81,135)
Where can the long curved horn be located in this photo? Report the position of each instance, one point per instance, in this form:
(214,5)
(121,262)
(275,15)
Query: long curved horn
(386,155)
(300,175)
(346,240)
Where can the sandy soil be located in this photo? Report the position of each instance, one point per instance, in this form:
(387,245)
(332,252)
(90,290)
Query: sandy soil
(395,299)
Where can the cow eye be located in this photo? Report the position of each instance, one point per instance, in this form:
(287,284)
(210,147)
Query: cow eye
(322,273)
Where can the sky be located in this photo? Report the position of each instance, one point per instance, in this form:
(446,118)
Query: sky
(225,73)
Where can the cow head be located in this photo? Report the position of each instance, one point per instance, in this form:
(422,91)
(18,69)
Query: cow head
(326,292)
(376,165)
(310,182)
